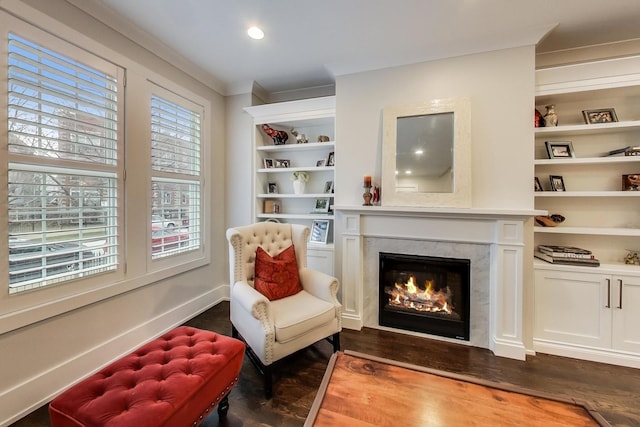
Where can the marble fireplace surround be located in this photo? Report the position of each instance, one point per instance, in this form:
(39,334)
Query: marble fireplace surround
(492,239)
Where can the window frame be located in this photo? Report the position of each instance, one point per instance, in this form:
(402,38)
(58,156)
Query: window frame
(136,269)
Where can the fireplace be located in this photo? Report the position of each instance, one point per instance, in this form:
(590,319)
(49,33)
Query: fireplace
(425,294)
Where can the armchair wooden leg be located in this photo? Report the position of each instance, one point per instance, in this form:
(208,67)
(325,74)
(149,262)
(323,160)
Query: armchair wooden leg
(336,342)
(223,407)
(234,332)
(268,382)
(265,371)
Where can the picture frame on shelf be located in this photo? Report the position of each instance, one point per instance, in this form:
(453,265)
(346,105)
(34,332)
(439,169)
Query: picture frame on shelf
(631,182)
(328,187)
(331,160)
(272,188)
(560,149)
(602,115)
(282,163)
(322,205)
(320,163)
(537,186)
(268,163)
(319,231)
(557,183)
(271,206)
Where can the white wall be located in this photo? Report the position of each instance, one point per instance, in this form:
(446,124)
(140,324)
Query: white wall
(501,87)
(39,360)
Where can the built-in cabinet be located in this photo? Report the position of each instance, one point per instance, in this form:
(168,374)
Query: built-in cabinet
(577,309)
(309,148)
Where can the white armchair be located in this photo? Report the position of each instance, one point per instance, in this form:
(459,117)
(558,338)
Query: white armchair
(275,329)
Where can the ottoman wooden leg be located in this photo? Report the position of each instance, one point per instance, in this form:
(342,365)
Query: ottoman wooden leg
(223,406)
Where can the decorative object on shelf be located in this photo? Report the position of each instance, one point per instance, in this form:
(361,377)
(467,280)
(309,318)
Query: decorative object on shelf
(632,151)
(282,163)
(323,138)
(320,163)
(566,255)
(557,183)
(631,182)
(550,117)
(376,195)
(319,231)
(321,206)
(271,206)
(328,187)
(559,150)
(603,115)
(301,138)
(538,120)
(536,184)
(367,181)
(367,196)
(632,257)
(268,163)
(299,179)
(279,137)
(272,188)
(331,161)
(549,220)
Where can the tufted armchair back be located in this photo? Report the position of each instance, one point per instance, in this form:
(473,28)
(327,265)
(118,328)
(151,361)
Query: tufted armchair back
(272,237)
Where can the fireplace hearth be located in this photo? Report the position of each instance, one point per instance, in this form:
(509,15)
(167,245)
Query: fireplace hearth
(425,294)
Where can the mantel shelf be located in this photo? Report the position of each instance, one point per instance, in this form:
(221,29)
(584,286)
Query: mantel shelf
(478,213)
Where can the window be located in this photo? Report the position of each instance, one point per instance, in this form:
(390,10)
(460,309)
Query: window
(63,164)
(176,182)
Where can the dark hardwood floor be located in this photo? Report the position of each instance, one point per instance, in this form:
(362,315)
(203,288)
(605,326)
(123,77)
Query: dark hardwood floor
(612,390)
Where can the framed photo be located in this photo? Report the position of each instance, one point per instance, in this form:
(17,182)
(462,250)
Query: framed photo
(331,159)
(268,163)
(282,163)
(559,150)
(328,187)
(603,115)
(272,188)
(271,206)
(557,183)
(536,184)
(319,231)
(322,205)
(631,182)
(320,163)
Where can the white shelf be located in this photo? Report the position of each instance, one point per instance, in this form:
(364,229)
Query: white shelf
(539,194)
(297,147)
(593,231)
(627,126)
(604,268)
(295,196)
(588,161)
(299,168)
(309,216)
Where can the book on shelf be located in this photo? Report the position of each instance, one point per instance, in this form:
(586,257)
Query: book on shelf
(565,252)
(627,151)
(593,262)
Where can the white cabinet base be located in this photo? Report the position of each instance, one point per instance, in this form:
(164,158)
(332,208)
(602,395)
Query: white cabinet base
(613,357)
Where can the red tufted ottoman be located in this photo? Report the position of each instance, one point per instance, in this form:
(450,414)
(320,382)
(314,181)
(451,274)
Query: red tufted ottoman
(171,381)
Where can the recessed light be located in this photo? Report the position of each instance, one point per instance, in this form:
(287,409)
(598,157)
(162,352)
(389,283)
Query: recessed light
(408,172)
(255,33)
(418,152)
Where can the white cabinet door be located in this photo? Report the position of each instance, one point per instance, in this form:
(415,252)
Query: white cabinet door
(625,305)
(572,308)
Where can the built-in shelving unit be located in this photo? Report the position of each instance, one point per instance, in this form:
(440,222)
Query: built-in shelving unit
(583,311)
(273,193)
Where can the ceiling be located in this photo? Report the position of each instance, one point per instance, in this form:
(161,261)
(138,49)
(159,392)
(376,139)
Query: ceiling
(307,44)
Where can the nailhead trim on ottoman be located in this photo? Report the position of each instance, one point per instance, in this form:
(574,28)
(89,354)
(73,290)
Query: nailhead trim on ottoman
(171,381)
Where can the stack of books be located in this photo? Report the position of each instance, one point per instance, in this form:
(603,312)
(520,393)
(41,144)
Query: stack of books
(566,255)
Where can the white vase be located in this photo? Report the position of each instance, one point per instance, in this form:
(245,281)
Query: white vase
(298,187)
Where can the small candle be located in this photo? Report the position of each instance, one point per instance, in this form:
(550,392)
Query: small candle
(367,181)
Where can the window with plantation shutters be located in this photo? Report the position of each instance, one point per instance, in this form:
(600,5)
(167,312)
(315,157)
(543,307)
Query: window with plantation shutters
(63,163)
(176,183)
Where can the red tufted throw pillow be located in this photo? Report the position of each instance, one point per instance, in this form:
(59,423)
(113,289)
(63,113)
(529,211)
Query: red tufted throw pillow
(277,277)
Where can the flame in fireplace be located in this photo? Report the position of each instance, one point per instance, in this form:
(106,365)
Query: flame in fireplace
(409,295)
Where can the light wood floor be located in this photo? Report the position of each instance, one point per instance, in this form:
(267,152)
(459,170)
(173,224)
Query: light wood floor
(612,390)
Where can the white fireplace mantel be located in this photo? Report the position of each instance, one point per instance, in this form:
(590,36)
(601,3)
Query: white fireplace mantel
(500,231)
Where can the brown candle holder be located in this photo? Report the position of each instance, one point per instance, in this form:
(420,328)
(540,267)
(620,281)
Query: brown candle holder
(367,196)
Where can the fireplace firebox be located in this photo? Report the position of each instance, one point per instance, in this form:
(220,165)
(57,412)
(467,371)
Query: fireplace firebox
(425,294)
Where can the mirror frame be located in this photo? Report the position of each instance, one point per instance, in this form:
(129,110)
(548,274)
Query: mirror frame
(461,195)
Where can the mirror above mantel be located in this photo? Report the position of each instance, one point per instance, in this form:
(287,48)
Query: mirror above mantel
(426,154)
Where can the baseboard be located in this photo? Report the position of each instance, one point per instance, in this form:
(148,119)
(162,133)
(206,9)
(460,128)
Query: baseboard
(42,388)
(592,354)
